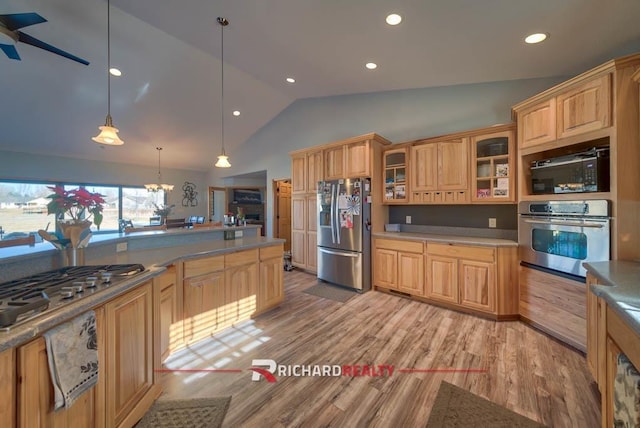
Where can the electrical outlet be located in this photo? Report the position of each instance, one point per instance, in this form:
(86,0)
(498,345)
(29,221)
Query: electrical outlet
(121,246)
(492,222)
(408,219)
(239,233)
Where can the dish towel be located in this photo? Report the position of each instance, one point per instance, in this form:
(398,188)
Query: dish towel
(626,395)
(72,352)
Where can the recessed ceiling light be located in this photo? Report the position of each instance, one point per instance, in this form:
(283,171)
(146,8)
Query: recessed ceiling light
(371,65)
(394,19)
(535,38)
(236,112)
(115,72)
(291,80)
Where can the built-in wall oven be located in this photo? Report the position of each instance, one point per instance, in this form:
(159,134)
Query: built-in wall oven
(561,235)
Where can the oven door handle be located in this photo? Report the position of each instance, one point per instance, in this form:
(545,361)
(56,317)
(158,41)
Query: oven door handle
(564,223)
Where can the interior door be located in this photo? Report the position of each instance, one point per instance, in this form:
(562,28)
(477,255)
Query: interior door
(283,215)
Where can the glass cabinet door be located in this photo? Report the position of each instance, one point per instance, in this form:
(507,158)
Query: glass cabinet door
(493,167)
(395,176)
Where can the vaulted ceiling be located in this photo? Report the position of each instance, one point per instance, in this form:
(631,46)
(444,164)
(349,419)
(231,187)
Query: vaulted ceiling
(169,52)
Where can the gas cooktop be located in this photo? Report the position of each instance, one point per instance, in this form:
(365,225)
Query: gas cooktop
(25,298)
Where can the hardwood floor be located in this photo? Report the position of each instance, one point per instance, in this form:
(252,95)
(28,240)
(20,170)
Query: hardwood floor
(517,366)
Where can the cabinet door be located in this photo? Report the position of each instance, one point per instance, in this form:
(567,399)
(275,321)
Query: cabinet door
(299,248)
(477,285)
(453,164)
(537,124)
(298,213)
(334,163)
(357,160)
(424,167)
(8,388)
(493,167)
(298,173)
(385,268)
(442,278)
(203,306)
(315,171)
(312,213)
(411,273)
(596,334)
(312,252)
(241,292)
(35,390)
(167,317)
(394,170)
(585,108)
(129,354)
(271,290)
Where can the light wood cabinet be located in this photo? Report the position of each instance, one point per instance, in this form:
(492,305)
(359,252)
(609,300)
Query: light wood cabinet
(315,170)
(241,285)
(493,167)
(537,124)
(303,232)
(585,108)
(167,315)
(299,173)
(399,265)
(203,301)
(271,288)
(596,333)
(439,172)
(395,177)
(35,389)
(8,388)
(334,163)
(129,356)
(467,276)
(357,159)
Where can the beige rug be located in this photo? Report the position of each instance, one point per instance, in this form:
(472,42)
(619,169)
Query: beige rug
(457,407)
(191,413)
(331,292)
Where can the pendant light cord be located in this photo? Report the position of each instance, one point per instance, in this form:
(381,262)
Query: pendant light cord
(159,176)
(223,23)
(109,59)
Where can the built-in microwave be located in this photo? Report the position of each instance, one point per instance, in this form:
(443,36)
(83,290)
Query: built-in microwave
(577,173)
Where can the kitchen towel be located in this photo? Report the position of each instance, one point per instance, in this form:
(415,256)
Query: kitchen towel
(72,352)
(626,394)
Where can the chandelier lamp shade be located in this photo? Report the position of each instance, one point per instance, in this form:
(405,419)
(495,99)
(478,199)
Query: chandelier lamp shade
(223,159)
(108,133)
(156,187)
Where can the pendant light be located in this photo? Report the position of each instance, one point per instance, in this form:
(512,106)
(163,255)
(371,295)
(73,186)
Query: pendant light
(157,186)
(223,159)
(108,133)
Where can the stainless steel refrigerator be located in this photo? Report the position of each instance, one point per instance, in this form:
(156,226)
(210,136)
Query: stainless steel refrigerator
(344,232)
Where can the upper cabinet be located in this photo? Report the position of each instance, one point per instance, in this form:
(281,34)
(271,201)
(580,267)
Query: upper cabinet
(334,163)
(537,124)
(493,167)
(306,171)
(348,161)
(394,169)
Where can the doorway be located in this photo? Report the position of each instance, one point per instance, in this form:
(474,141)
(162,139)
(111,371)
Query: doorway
(217,204)
(282,211)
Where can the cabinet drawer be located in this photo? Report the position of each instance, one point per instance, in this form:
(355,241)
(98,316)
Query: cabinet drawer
(166,279)
(241,258)
(484,254)
(400,245)
(204,265)
(271,252)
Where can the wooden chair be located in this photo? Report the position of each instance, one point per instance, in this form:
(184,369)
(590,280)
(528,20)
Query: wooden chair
(29,240)
(173,223)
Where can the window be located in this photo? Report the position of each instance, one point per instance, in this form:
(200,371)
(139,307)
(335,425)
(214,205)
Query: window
(23,206)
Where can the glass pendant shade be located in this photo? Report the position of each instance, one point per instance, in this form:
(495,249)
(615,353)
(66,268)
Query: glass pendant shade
(108,134)
(156,187)
(223,161)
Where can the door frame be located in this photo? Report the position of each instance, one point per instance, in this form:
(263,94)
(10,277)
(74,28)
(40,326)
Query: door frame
(210,199)
(274,219)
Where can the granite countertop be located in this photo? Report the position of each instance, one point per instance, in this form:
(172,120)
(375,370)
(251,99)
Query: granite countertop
(620,289)
(448,239)
(155,260)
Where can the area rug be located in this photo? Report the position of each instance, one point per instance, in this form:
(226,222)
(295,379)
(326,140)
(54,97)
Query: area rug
(456,407)
(332,292)
(192,413)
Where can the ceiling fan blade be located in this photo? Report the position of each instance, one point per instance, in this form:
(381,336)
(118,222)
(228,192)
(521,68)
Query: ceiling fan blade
(16,21)
(10,51)
(25,38)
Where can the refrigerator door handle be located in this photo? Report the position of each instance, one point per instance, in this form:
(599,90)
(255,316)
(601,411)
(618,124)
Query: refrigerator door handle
(332,215)
(337,253)
(337,214)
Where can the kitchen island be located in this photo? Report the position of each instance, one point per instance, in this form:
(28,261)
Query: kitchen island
(193,286)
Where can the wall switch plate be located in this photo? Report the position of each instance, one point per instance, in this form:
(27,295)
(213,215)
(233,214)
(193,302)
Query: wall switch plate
(239,233)
(407,219)
(492,222)
(121,246)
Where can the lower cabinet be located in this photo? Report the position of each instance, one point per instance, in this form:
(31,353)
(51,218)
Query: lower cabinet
(241,285)
(204,304)
(398,265)
(270,290)
(35,390)
(129,357)
(596,334)
(167,318)
(442,281)
(8,388)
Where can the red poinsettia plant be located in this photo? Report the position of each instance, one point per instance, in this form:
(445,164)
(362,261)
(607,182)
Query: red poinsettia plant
(77,204)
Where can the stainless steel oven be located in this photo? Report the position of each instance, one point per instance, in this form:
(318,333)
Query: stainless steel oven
(561,235)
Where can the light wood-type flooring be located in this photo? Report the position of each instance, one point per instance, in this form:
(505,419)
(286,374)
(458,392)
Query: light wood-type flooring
(526,371)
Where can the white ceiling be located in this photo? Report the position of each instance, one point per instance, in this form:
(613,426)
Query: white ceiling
(169,52)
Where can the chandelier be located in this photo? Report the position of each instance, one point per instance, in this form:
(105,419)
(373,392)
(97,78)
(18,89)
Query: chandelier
(157,187)
(223,159)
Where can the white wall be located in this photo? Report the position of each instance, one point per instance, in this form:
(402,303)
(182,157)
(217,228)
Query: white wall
(396,115)
(22,166)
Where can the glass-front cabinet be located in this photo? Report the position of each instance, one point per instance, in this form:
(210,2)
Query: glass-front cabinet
(493,167)
(395,176)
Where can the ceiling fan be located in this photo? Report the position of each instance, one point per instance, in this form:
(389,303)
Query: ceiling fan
(9,36)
